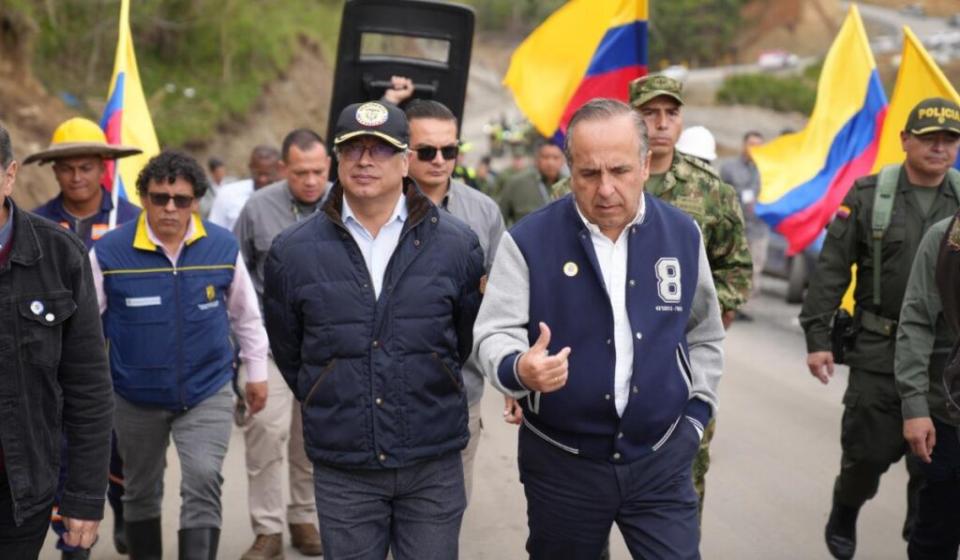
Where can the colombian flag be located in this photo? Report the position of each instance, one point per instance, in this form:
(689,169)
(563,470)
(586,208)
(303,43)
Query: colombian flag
(804,176)
(586,49)
(126,118)
(917,79)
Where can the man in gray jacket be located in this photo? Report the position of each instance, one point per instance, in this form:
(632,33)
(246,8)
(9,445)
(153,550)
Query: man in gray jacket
(270,210)
(924,340)
(602,317)
(434,147)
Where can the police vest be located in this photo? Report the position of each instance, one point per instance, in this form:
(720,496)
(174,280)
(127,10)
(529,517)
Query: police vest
(166,326)
(567,292)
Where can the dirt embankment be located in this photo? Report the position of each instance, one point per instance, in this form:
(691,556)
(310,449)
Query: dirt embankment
(941,8)
(27,111)
(299,97)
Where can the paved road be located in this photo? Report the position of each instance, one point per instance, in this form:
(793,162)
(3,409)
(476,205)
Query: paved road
(774,458)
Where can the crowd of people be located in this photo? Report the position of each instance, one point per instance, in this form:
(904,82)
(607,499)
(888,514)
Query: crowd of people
(348,328)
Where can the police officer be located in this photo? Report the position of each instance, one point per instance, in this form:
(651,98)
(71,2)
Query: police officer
(871,427)
(694,187)
(924,339)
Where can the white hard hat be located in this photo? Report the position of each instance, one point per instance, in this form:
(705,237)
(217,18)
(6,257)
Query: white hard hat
(699,142)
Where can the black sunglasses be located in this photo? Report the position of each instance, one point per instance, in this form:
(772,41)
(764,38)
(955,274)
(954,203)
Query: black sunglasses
(429,153)
(181,201)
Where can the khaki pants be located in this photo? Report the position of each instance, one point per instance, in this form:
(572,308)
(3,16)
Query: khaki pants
(470,452)
(266,434)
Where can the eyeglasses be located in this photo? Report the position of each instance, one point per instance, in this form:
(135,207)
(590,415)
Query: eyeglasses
(353,151)
(429,153)
(181,201)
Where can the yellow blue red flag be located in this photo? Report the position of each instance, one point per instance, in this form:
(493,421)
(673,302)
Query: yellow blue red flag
(805,176)
(126,118)
(917,79)
(586,49)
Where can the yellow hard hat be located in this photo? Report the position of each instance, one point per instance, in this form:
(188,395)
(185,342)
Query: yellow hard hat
(79,137)
(78,130)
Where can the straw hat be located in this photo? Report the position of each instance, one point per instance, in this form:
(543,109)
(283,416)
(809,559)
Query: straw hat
(78,137)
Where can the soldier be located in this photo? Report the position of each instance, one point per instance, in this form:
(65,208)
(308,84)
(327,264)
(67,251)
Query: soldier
(924,339)
(694,187)
(530,189)
(913,197)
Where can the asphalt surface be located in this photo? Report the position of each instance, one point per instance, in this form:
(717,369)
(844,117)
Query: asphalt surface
(775,455)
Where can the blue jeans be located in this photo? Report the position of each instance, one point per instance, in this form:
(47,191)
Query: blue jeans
(414,511)
(573,501)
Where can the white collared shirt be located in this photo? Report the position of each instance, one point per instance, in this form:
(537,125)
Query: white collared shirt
(377,250)
(612,257)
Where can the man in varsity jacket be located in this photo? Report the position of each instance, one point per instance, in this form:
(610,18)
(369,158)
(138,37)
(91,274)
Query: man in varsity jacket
(601,315)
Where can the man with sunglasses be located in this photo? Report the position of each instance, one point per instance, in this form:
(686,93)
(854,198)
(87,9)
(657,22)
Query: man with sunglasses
(370,308)
(79,153)
(270,210)
(433,137)
(172,288)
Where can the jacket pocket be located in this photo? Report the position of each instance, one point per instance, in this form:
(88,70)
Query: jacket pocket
(316,384)
(446,369)
(41,320)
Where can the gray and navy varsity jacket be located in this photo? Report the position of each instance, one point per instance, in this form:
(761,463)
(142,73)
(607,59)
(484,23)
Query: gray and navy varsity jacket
(678,357)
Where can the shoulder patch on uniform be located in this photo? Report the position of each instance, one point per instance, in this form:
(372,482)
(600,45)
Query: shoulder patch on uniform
(700,165)
(843,212)
(953,236)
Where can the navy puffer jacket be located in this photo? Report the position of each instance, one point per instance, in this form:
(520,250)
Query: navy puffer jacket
(378,379)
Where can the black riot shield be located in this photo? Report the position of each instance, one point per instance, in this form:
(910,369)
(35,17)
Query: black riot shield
(426,41)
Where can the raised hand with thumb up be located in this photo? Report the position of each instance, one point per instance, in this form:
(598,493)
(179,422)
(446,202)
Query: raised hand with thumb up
(538,370)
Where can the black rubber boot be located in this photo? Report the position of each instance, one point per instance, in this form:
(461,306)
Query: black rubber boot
(841,531)
(145,539)
(199,544)
(76,554)
(119,533)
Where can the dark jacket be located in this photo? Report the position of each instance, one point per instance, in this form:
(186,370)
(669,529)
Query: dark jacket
(53,210)
(54,376)
(378,379)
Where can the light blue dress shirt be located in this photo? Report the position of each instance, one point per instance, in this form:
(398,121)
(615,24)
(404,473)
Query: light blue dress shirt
(377,250)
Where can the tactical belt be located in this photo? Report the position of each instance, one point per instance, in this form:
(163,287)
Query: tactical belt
(876,324)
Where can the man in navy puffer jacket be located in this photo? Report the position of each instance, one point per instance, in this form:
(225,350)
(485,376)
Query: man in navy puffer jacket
(369,306)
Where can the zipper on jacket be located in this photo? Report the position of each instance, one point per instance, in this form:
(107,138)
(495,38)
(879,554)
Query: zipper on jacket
(316,384)
(176,299)
(446,369)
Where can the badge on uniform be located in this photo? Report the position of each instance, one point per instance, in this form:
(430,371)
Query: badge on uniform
(36,307)
(211,292)
(843,212)
(98,231)
(570,268)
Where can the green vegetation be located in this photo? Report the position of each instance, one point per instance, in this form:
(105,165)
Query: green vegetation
(201,61)
(780,93)
(204,62)
(693,32)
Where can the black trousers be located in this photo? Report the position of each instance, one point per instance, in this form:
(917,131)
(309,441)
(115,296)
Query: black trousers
(936,533)
(23,542)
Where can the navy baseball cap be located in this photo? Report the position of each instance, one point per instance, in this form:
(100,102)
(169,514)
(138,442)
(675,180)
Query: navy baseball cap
(383,120)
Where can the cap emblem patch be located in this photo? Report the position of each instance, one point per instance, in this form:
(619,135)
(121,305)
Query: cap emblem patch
(371,114)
